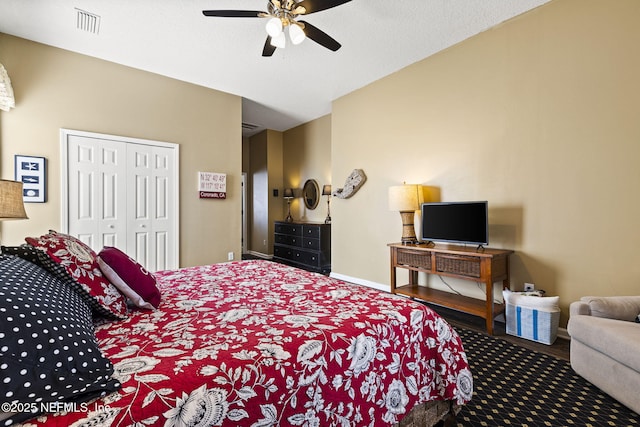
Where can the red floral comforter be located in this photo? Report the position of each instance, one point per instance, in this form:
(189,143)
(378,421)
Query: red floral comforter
(255,343)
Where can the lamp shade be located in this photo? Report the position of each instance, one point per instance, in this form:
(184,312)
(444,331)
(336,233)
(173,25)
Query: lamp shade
(11,204)
(296,34)
(405,198)
(326,190)
(274,27)
(279,41)
(288,193)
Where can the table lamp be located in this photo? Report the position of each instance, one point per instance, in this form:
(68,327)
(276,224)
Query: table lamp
(406,199)
(326,191)
(288,194)
(11,203)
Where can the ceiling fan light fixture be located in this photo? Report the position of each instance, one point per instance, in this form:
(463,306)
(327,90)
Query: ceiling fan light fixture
(274,27)
(296,34)
(279,41)
(284,13)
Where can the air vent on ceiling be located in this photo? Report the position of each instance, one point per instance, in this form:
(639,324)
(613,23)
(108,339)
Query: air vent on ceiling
(249,126)
(87,21)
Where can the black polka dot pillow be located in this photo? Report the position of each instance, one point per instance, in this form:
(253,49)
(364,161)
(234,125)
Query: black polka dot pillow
(48,349)
(40,258)
(80,264)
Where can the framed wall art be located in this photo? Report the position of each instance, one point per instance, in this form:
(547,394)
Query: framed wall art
(31,171)
(212,185)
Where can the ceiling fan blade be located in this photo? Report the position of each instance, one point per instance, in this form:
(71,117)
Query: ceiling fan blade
(233,13)
(320,37)
(268,47)
(317,5)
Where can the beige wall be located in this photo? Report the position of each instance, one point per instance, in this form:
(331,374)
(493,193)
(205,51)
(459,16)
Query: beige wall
(539,116)
(275,162)
(258,178)
(264,162)
(58,89)
(307,155)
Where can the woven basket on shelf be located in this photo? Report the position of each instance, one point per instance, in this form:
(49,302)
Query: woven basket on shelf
(414,259)
(458,265)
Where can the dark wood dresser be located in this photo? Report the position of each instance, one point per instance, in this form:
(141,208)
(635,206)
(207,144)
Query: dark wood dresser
(304,245)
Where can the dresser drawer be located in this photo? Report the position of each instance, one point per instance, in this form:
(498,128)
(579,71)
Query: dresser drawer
(287,239)
(311,259)
(311,243)
(291,229)
(282,252)
(313,232)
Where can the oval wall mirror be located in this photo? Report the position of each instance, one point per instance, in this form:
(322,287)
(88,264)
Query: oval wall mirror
(311,193)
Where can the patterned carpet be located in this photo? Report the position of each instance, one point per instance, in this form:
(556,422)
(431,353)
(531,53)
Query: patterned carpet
(514,386)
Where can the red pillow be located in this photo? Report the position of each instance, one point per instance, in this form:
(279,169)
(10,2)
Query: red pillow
(79,263)
(129,277)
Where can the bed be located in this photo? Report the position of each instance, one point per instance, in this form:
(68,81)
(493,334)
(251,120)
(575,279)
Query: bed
(245,343)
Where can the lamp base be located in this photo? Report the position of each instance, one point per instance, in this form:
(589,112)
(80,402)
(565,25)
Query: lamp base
(289,218)
(328,219)
(408,230)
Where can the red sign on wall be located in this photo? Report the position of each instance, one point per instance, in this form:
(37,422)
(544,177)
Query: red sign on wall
(212,195)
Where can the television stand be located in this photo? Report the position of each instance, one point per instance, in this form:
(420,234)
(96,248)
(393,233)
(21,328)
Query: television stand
(483,266)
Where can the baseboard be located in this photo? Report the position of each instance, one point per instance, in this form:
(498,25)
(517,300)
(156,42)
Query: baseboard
(260,255)
(562,332)
(363,282)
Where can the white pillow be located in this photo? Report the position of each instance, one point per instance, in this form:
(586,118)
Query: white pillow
(537,303)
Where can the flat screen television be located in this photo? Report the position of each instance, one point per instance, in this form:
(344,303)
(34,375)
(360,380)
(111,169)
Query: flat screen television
(456,222)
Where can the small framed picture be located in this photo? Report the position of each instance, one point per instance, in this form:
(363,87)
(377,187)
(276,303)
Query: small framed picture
(31,171)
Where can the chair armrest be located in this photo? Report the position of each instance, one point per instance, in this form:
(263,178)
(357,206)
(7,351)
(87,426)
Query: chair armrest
(579,308)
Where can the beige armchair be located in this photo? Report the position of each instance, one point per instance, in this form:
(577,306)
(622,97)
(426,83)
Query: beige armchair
(605,345)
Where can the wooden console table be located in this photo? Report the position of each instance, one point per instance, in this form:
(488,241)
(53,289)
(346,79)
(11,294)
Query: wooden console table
(484,266)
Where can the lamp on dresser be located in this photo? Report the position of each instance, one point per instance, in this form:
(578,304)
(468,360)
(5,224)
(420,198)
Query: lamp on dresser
(406,199)
(326,191)
(288,195)
(11,203)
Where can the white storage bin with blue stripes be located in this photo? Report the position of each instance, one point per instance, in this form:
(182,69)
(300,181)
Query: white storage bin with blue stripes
(532,316)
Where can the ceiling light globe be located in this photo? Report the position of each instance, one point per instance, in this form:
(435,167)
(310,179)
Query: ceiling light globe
(279,41)
(296,34)
(274,27)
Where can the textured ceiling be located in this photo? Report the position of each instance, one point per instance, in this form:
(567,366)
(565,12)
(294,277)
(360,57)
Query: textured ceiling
(297,84)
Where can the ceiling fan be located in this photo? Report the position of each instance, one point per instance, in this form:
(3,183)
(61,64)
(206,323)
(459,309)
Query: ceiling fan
(283,15)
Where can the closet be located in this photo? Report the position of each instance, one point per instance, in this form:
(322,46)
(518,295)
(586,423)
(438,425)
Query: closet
(122,192)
